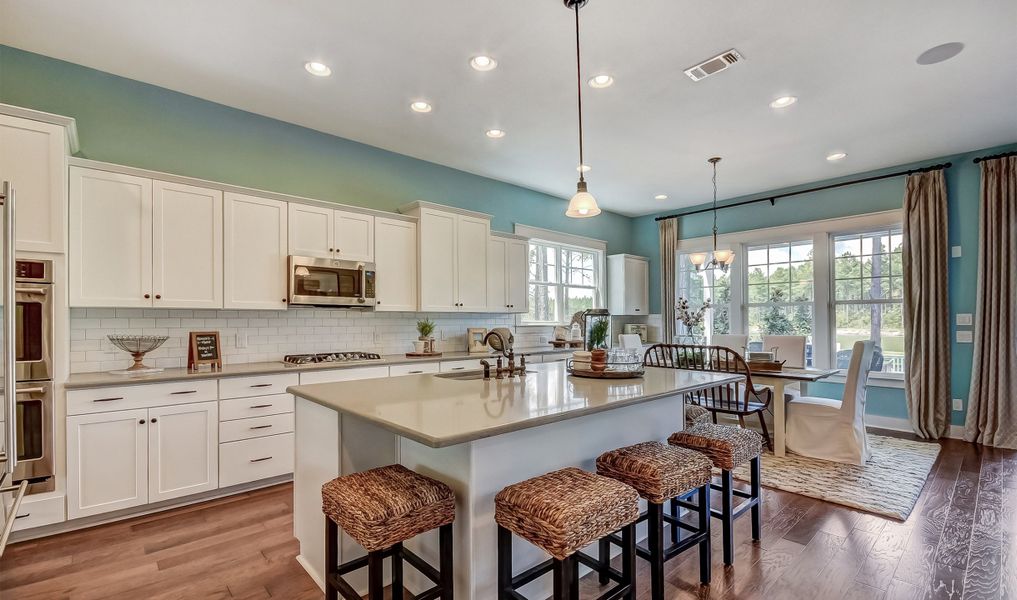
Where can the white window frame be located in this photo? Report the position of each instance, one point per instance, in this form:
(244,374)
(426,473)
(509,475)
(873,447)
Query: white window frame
(821,232)
(731,307)
(573,242)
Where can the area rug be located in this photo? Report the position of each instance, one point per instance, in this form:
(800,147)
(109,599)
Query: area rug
(888,484)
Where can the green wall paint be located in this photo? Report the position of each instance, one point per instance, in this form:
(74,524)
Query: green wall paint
(962,180)
(131,123)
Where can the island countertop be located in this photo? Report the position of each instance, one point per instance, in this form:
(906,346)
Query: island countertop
(438,411)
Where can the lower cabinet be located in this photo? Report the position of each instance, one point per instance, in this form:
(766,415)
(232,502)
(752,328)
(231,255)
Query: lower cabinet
(254,459)
(122,459)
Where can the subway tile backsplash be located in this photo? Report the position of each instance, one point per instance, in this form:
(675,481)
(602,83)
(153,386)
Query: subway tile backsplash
(270,334)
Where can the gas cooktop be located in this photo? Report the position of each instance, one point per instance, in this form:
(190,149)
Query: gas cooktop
(329,357)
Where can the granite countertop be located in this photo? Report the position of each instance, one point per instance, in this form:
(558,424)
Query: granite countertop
(102,379)
(438,411)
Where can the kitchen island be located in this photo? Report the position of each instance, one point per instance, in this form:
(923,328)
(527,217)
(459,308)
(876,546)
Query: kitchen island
(477,436)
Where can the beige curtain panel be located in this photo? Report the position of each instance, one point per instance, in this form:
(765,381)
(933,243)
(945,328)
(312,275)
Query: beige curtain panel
(668,230)
(926,305)
(992,401)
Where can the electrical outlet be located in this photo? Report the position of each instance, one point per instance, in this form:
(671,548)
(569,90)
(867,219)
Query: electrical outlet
(965,337)
(958,404)
(241,340)
(543,340)
(964,319)
(955,251)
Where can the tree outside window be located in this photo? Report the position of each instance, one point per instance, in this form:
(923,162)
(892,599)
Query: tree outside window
(779,292)
(563,280)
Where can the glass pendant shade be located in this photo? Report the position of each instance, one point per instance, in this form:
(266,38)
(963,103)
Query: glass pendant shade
(730,259)
(698,259)
(722,256)
(583,204)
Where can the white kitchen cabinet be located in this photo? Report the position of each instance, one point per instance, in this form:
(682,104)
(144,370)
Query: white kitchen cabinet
(110,239)
(395,258)
(628,284)
(107,462)
(187,267)
(183,450)
(255,252)
(33,157)
(453,248)
(348,374)
(413,369)
(330,233)
(507,282)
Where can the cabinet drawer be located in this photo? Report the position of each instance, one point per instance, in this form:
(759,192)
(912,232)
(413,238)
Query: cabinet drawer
(36,513)
(259,406)
(261,385)
(255,427)
(412,369)
(126,397)
(351,374)
(463,365)
(550,358)
(258,458)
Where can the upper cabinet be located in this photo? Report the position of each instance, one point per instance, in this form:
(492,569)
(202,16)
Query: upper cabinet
(139,243)
(628,284)
(395,258)
(330,233)
(33,159)
(506,274)
(453,248)
(255,252)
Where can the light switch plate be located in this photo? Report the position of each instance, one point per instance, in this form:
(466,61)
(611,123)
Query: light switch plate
(241,340)
(958,404)
(964,319)
(955,251)
(965,337)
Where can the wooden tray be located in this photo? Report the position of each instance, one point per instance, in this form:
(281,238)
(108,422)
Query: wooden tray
(567,343)
(607,374)
(422,354)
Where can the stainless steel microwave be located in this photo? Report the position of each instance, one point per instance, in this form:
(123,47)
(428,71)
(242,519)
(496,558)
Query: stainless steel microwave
(329,282)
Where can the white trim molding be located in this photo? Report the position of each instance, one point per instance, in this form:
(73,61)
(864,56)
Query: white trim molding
(549,235)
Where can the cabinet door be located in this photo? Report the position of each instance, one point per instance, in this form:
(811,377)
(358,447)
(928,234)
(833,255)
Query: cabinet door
(517,266)
(183,450)
(437,262)
(354,236)
(497,294)
(311,230)
(637,282)
(186,246)
(110,239)
(107,462)
(33,159)
(395,257)
(255,252)
(472,236)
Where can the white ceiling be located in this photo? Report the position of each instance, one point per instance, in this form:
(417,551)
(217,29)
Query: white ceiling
(852,65)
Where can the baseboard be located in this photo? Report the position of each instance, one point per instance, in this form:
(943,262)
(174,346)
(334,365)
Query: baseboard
(898,424)
(311,571)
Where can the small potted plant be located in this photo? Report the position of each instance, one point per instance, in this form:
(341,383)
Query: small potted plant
(425,328)
(598,333)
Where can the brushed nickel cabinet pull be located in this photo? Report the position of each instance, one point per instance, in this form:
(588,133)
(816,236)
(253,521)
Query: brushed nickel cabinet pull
(254,460)
(262,406)
(261,427)
(108,399)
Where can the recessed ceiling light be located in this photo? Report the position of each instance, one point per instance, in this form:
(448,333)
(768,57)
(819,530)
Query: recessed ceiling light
(601,81)
(938,54)
(495,133)
(317,68)
(483,63)
(583,168)
(783,102)
(660,197)
(420,106)
(836,156)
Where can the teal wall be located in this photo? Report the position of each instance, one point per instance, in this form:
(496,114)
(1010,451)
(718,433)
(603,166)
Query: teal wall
(131,123)
(962,180)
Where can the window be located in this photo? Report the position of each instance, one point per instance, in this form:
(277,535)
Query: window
(563,280)
(780,296)
(700,286)
(868,292)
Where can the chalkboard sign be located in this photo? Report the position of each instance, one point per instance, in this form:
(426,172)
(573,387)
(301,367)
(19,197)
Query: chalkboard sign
(204,350)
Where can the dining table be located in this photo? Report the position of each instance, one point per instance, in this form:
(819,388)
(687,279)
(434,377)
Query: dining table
(778,380)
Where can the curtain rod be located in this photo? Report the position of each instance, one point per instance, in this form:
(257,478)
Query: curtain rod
(773,199)
(1003,155)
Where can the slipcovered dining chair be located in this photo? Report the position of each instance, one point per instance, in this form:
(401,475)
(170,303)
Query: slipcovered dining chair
(738,343)
(789,349)
(830,429)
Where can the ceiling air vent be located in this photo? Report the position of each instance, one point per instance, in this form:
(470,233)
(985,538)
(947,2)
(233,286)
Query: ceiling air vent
(713,65)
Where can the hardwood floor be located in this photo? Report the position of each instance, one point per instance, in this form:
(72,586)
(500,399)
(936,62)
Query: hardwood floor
(959,542)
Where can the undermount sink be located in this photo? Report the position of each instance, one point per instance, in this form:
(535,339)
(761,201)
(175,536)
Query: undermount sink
(462,375)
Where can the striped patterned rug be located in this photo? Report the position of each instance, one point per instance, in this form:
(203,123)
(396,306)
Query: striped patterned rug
(888,485)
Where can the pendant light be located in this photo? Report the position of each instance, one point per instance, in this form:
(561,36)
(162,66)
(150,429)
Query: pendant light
(583,204)
(721,259)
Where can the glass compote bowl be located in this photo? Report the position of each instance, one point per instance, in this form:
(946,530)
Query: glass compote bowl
(138,346)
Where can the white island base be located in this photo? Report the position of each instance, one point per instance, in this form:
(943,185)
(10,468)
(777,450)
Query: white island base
(330,443)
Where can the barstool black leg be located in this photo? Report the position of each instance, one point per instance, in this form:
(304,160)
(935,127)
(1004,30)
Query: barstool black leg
(727,520)
(655,539)
(629,559)
(331,557)
(504,563)
(704,526)
(445,560)
(755,478)
(375,575)
(675,513)
(397,571)
(605,560)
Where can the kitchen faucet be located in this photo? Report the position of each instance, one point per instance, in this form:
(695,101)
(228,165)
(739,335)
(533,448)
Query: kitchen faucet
(505,347)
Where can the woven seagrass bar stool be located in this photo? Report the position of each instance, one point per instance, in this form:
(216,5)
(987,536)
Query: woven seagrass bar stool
(728,447)
(659,473)
(561,512)
(380,509)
